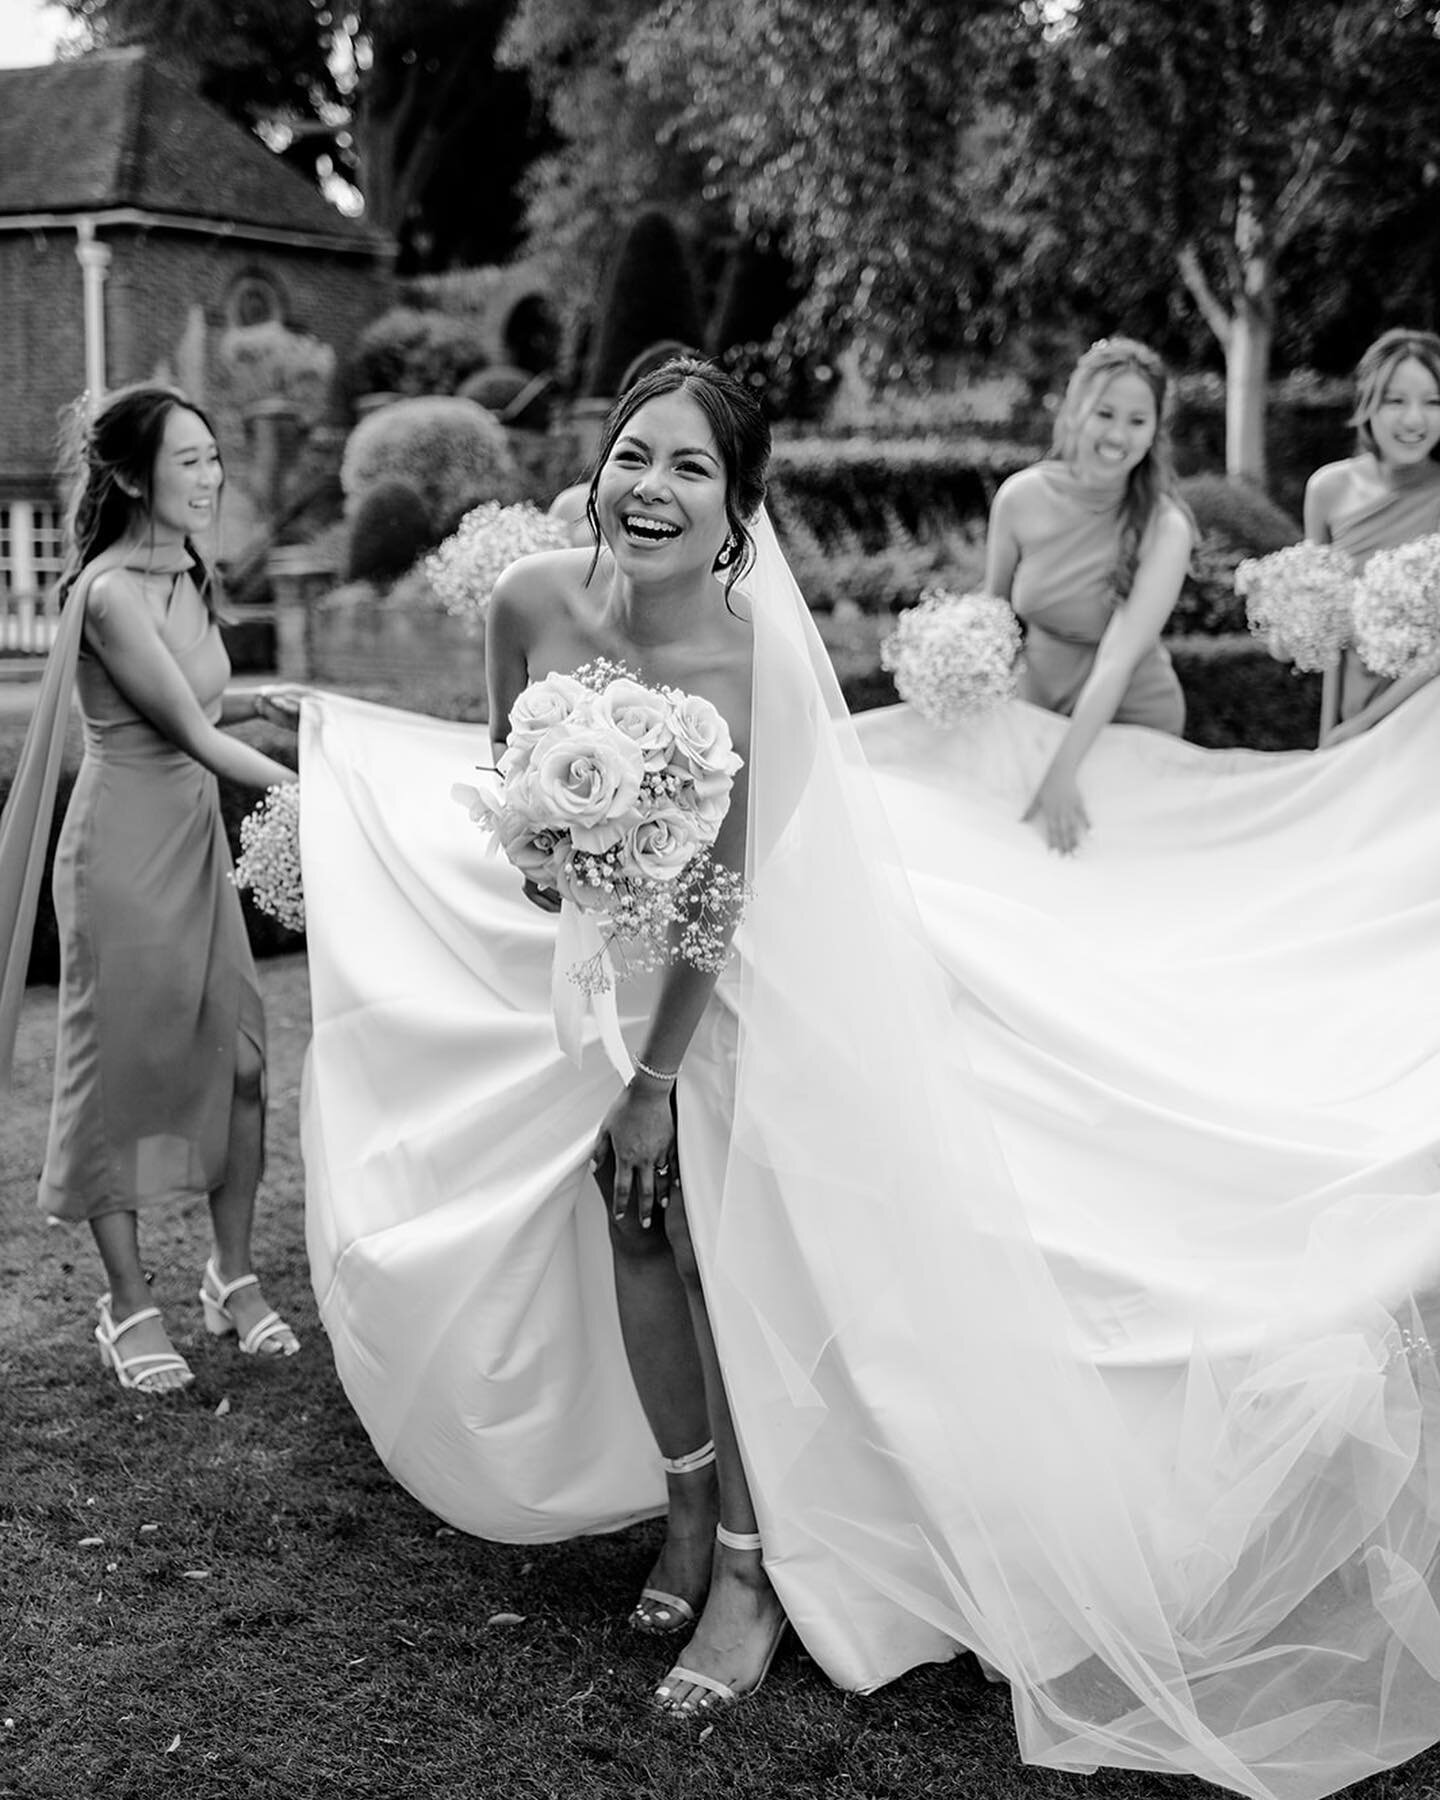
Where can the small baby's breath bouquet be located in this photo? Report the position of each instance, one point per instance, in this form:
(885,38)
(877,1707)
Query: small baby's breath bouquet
(953,655)
(463,571)
(1397,608)
(1298,602)
(612,794)
(269,864)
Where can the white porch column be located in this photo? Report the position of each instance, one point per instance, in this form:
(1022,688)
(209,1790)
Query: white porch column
(94,259)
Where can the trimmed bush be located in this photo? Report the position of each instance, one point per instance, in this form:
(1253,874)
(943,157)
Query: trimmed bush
(267,362)
(452,452)
(649,294)
(1235,520)
(495,388)
(835,486)
(413,352)
(389,529)
(844,574)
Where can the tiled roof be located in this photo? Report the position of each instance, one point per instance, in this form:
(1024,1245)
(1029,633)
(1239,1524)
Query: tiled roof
(114,130)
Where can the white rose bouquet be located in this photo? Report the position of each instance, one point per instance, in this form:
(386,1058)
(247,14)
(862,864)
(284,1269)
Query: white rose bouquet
(612,793)
(463,570)
(1397,608)
(269,865)
(953,655)
(1298,602)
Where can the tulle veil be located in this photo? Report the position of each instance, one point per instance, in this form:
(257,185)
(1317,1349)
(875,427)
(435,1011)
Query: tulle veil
(1223,1565)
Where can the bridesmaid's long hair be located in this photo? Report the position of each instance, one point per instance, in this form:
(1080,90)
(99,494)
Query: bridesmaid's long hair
(741,435)
(111,466)
(1374,371)
(1152,480)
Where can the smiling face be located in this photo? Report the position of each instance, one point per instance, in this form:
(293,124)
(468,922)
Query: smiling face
(185,481)
(1115,435)
(1405,418)
(662,490)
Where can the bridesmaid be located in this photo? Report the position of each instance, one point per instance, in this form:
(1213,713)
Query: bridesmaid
(1091,547)
(1384,495)
(160,1056)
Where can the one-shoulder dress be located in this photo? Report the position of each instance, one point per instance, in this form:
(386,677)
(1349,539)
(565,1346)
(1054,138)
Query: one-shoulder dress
(1062,593)
(1410,509)
(156,978)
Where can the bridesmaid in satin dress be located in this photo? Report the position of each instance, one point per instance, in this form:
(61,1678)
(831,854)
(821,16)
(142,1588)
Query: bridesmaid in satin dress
(1385,495)
(1091,547)
(159,1060)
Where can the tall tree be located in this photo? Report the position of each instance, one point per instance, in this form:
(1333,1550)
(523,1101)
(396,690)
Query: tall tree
(400,98)
(852,132)
(1213,138)
(614,152)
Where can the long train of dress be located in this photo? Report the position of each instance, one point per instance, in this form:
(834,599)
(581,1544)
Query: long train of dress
(1132,1390)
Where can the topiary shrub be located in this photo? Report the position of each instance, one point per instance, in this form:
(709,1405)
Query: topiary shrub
(389,531)
(452,452)
(649,294)
(267,362)
(1234,520)
(495,388)
(413,352)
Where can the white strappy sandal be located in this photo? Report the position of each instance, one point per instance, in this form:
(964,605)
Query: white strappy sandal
(668,1613)
(718,1693)
(269,1336)
(141,1371)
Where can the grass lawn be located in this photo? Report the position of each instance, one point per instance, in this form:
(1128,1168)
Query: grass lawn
(225,1596)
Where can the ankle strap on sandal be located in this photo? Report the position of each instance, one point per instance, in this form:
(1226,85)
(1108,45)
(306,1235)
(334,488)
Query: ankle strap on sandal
(691,1461)
(739,1540)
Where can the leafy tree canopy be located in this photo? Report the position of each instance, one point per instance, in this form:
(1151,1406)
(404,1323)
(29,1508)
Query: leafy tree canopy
(1220,143)
(852,132)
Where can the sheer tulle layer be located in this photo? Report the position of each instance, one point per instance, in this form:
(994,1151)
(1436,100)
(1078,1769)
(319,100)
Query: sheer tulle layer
(1070,1248)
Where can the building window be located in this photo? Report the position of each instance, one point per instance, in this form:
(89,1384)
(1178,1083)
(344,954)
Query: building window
(32,554)
(254,299)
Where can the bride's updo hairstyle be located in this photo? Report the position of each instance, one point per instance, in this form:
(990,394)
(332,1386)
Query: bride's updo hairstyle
(741,434)
(1153,478)
(1374,371)
(110,464)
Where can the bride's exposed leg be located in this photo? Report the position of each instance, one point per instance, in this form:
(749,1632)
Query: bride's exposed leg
(665,1366)
(743,1619)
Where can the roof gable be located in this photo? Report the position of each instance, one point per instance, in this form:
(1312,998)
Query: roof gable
(113,130)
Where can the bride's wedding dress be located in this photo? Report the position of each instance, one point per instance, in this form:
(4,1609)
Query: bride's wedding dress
(1071,1228)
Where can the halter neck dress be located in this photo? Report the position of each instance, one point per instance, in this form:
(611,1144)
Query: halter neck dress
(156,977)
(1408,509)
(1063,595)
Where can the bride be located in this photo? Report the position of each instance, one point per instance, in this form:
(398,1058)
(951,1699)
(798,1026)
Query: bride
(1067,1227)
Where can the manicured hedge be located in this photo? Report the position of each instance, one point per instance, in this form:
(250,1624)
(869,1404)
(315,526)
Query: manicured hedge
(864,485)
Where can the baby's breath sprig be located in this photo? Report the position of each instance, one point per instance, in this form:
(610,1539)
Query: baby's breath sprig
(953,655)
(1397,608)
(1298,602)
(463,571)
(269,865)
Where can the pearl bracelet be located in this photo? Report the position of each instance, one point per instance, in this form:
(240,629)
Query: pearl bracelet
(668,1076)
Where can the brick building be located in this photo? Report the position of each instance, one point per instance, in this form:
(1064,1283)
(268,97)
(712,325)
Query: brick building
(137,223)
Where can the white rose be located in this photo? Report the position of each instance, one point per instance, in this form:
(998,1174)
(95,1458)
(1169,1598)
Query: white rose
(538,709)
(585,779)
(659,847)
(702,741)
(641,714)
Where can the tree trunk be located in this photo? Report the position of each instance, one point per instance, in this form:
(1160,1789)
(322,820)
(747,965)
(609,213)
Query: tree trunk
(1248,340)
(1247,374)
